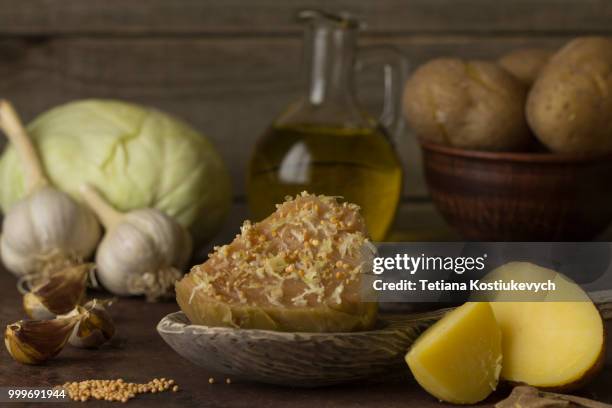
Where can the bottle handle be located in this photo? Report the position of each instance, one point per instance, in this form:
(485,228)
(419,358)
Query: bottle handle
(395,72)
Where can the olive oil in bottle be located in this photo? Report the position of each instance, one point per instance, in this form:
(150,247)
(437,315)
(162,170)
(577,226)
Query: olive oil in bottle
(358,164)
(325,142)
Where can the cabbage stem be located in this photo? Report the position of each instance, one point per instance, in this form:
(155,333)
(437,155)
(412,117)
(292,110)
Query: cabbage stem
(105,212)
(11,125)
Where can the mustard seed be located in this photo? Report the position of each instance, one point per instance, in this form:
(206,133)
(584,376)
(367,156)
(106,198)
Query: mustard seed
(114,390)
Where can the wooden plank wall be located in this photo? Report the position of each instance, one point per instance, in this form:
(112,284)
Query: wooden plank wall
(230,66)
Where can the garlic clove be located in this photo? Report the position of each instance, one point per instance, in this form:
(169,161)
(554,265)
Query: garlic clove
(35,309)
(36,341)
(95,326)
(58,294)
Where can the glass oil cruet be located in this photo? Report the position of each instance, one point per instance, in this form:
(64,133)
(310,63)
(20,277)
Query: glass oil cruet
(325,142)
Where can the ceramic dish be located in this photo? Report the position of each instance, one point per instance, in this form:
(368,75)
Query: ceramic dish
(297,359)
(502,196)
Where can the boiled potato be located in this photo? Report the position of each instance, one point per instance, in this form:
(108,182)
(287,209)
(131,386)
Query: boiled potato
(569,107)
(553,339)
(471,105)
(525,63)
(459,358)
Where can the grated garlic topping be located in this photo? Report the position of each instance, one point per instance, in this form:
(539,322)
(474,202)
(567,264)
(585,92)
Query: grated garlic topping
(307,253)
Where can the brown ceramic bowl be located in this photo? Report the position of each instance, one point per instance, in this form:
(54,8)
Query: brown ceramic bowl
(501,196)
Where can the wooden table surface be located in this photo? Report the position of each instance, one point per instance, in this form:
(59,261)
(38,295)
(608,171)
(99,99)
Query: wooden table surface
(139,354)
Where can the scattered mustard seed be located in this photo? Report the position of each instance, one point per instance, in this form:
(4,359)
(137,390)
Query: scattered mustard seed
(115,390)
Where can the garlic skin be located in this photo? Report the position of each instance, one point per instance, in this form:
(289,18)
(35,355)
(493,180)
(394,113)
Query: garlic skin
(95,326)
(35,309)
(36,341)
(47,224)
(143,251)
(47,220)
(58,294)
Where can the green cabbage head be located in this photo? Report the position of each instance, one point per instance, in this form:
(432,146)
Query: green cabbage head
(135,156)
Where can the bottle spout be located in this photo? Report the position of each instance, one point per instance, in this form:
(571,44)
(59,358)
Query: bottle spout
(342,19)
(329,55)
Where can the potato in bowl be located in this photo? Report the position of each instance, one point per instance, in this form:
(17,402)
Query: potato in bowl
(569,107)
(467,104)
(525,63)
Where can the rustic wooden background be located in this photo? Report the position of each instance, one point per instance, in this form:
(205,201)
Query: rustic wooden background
(230,66)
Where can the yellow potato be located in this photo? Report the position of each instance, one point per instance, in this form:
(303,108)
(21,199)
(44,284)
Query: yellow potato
(472,105)
(569,107)
(525,63)
(552,340)
(459,358)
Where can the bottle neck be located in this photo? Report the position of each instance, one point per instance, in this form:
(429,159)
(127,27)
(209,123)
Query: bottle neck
(329,58)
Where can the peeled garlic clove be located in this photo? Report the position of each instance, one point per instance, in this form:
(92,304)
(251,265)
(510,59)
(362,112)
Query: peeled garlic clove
(143,251)
(36,341)
(46,223)
(95,326)
(58,294)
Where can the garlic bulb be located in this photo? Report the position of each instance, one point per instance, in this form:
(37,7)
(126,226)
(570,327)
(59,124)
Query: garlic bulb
(47,225)
(58,294)
(95,326)
(142,252)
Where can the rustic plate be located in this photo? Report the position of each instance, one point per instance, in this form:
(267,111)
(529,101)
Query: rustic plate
(297,359)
